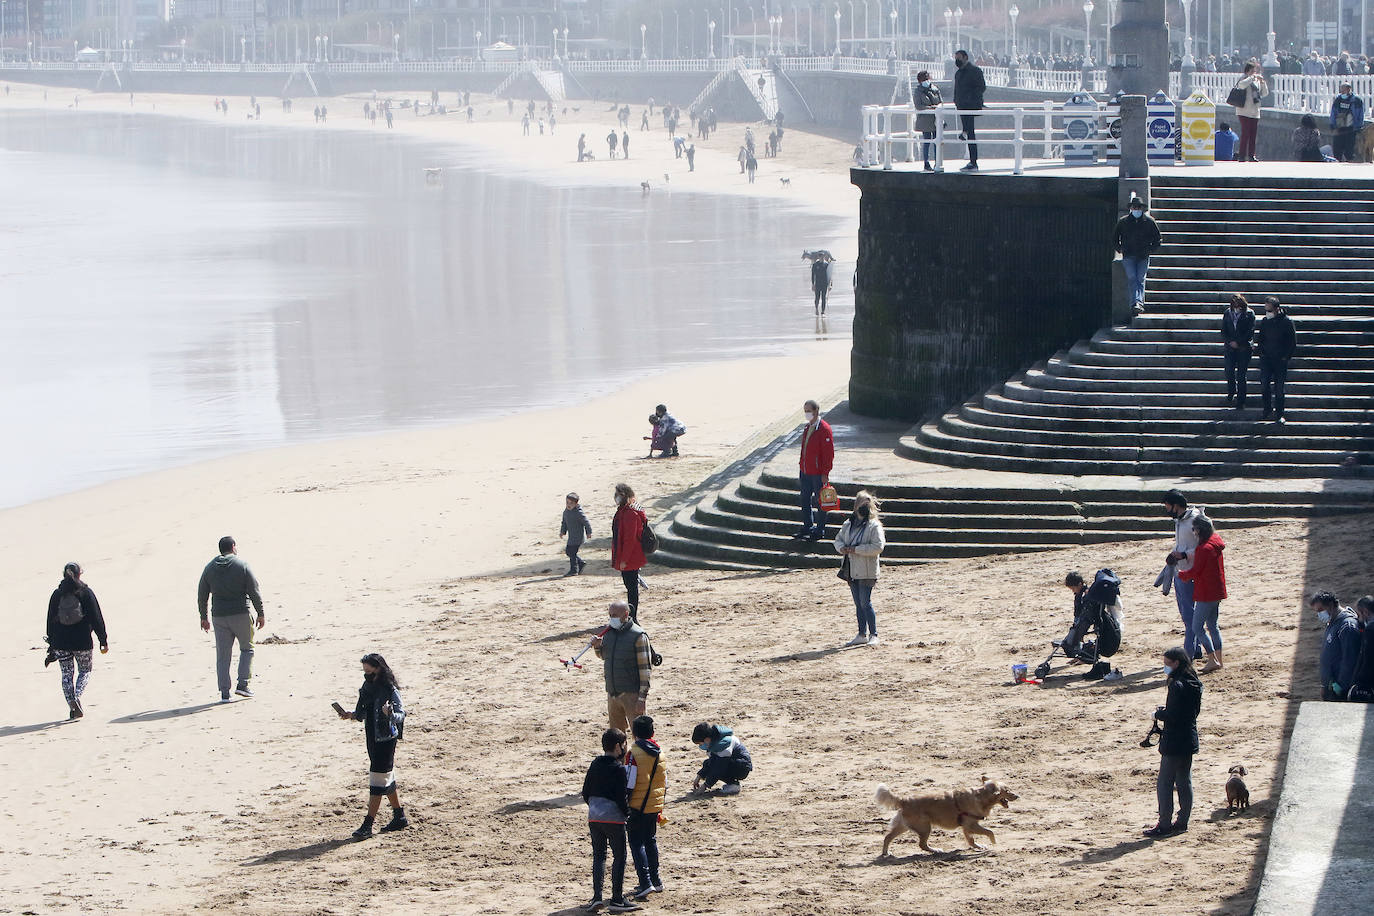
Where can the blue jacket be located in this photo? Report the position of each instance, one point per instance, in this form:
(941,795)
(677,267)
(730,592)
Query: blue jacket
(1355,104)
(376,723)
(1340,652)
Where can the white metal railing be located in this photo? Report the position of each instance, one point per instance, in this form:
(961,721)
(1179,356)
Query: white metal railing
(1056,80)
(1287,91)
(650,64)
(893,127)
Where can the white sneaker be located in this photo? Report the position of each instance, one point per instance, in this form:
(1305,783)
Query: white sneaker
(730,788)
(859,640)
(874,640)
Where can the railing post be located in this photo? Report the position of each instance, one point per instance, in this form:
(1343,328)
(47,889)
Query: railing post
(1049,130)
(887,140)
(1018,139)
(939,138)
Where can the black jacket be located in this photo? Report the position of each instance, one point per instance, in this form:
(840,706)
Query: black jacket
(1364,665)
(820,275)
(1179,717)
(75,637)
(969,87)
(1240,328)
(606,779)
(1277,339)
(1136,238)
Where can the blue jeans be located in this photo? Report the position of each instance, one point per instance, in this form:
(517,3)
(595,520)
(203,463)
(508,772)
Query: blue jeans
(1135,276)
(810,490)
(1204,622)
(862,590)
(1183,594)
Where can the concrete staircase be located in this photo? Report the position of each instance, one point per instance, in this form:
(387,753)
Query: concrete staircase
(767,97)
(552,83)
(1148,399)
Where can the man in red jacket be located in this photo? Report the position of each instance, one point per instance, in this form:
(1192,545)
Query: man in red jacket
(817,457)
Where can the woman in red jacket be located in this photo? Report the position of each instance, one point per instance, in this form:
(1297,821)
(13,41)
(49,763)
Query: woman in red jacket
(1208,575)
(627,553)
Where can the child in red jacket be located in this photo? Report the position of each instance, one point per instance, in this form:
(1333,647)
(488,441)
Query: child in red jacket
(1208,575)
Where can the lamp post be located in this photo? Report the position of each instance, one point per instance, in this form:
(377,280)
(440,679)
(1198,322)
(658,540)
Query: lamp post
(851,26)
(1013,13)
(396,46)
(643,33)
(949,41)
(892,32)
(711,40)
(326,49)
(958,17)
(183,51)
(1271,57)
(565,42)
(243,49)
(1189,63)
(1087,33)
(837,30)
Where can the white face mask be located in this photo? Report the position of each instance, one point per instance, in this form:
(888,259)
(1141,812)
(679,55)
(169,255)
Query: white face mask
(1324,617)
(810,417)
(615,623)
(1166,671)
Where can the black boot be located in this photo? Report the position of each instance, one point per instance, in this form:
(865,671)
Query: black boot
(365,831)
(398,821)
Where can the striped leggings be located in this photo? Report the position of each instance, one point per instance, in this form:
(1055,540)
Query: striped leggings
(76,672)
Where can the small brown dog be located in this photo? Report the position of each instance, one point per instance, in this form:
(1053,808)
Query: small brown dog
(962,808)
(1237,795)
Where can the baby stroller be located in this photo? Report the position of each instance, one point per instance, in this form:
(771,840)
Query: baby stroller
(1095,613)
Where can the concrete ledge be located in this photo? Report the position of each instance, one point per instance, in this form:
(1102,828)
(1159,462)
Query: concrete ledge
(1321,848)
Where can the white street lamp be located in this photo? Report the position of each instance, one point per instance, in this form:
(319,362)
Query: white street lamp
(958,17)
(949,40)
(396,46)
(837,30)
(1087,33)
(1013,13)
(1271,57)
(565,43)
(892,32)
(711,40)
(1188,62)
(643,32)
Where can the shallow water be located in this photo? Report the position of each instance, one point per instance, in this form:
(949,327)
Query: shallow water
(172,290)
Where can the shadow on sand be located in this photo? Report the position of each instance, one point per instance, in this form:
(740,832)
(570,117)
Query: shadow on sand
(11,730)
(154,715)
(541,804)
(301,853)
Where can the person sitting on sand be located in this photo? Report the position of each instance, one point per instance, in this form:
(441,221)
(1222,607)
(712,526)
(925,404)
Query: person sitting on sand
(727,759)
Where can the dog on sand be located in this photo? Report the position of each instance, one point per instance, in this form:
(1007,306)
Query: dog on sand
(1237,794)
(786,182)
(961,808)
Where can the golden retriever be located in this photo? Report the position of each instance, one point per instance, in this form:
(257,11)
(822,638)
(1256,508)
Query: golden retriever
(962,808)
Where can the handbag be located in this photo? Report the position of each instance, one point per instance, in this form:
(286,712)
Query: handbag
(1237,97)
(827,499)
(844,569)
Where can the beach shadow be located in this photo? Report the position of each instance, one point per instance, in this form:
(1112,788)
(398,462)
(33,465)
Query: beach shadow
(541,804)
(757,574)
(1224,814)
(917,858)
(1111,853)
(154,715)
(10,730)
(555,577)
(301,853)
(811,656)
(584,633)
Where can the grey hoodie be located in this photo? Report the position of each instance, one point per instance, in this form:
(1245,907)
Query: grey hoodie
(232,584)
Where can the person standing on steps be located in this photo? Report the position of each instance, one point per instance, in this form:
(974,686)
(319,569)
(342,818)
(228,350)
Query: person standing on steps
(969,87)
(1237,330)
(627,665)
(231,584)
(1347,120)
(627,548)
(1252,81)
(73,615)
(861,542)
(379,709)
(1277,340)
(816,460)
(820,281)
(1177,744)
(1208,575)
(1181,558)
(1136,236)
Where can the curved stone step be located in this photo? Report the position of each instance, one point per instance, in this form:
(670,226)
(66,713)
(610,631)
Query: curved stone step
(1010,415)
(1071,368)
(1105,386)
(779,504)
(1168,204)
(1204,359)
(1295,414)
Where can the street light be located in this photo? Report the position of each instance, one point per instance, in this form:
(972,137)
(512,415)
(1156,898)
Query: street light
(1013,13)
(396,46)
(643,32)
(711,40)
(837,30)
(1087,33)
(949,41)
(892,33)
(1188,62)
(958,17)
(1271,57)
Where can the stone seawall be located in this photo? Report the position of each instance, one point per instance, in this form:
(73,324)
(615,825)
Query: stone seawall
(964,280)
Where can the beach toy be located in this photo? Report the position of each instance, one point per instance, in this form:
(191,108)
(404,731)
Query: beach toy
(828,499)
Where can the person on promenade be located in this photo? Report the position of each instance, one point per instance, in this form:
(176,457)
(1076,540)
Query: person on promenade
(927,99)
(627,549)
(1307,141)
(1252,81)
(644,120)
(820,281)
(1177,743)
(743,157)
(816,459)
(727,759)
(1225,143)
(604,791)
(232,585)
(969,87)
(1340,645)
(1276,339)
(1180,559)
(861,542)
(1208,575)
(73,615)
(611,141)
(379,709)
(1237,330)
(1347,120)
(648,781)
(625,145)
(1136,236)
(578,529)
(626,664)
(1361,688)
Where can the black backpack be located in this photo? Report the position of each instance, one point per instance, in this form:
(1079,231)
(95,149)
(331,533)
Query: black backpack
(69,609)
(648,541)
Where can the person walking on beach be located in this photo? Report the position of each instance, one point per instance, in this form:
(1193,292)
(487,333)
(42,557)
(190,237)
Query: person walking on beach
(860,542)
(611,141)
(324,113)
(581,147)
(820,281)
(1180,559)
(817,458)
(231,584)
(1136,236)
(1237,329)
(626,664)
(969,88)
(644,121)
(379,709)
(604,791)
(751,165)
(648,780)
(388,116)
(1208,575)
(1177,744)
(743,157)
(627,549)
(1277,340)
(625,145)
(525,125)
(691,157)
(73,615)
(578,529)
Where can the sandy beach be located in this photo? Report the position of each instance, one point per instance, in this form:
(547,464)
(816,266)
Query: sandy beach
(439,549)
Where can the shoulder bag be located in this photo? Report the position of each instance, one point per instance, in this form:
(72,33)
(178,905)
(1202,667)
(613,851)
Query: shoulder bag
(1237,97)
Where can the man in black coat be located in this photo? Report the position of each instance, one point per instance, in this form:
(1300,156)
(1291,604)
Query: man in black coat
(1277,340)
(969,87)
(1136,237)
(1237,330)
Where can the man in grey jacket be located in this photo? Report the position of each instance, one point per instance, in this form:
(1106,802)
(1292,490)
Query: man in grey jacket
(1181,558)
(226,587)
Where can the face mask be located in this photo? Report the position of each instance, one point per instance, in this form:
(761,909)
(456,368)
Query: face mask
(614,623)
(925,84)
(705,746)
(1324,617)
(1166,671)
(1137,213)
(960,63)
(1345,95)
(810,417)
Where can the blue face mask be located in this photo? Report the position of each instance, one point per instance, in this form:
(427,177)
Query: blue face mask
(925,84)
(705,746)
(1137,213)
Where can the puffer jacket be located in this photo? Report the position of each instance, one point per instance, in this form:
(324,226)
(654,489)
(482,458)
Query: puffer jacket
(867,540)
(649,790)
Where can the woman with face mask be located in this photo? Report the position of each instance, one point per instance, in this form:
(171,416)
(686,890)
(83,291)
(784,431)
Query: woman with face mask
(927,98)
(627,549)
(379,709)
(1177,743)
(861,541)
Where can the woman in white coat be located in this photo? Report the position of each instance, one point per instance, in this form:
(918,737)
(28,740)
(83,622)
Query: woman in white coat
(1255,88)
(861,541)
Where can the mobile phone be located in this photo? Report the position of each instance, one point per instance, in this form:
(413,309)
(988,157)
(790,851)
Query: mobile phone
(337,708)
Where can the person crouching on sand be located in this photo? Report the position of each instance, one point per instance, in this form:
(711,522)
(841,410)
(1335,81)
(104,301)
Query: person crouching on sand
(379,709)
(727,759)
